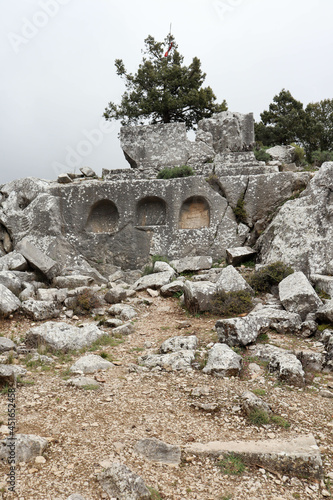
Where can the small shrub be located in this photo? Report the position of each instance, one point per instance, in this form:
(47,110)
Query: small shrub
(259,392)
(231,303)
(231,465)
(259,417)
(154,494)
(280,421)
(299,154)
(175,172)
(239,210)
(268,276)
(263,338)
(90,387)
(261,155)
(86,301)
(148,270)
(319,157)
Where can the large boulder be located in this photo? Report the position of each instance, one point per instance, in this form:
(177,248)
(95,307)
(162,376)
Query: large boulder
(223,361)
(91,363)
(40,310)
(27,447)
(301,235)
(179,343)
(283,154)
(241,331)
(37,258)
(63,337)
(13,261)
(174,361)
(288,368)
(192,263)
(297,295)
(10,280)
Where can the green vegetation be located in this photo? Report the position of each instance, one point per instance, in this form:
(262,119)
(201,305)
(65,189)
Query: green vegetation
(325,326)
(175,172)
(268,276)
(239,210)
(231,303)
(154,494)
(105,340)
(163,90)
(86,301)
(231,465)
(319,157)
(280,421)
(261,417)
(149,269)
(90,387)
(261,155)
(259,392)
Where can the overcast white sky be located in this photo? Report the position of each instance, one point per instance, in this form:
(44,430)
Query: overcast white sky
(57,67)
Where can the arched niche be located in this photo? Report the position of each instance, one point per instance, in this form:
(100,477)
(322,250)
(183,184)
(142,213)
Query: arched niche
(151,211)
(194,213)
(103,217)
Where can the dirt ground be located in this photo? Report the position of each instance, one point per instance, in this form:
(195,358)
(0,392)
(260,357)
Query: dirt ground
(88,429)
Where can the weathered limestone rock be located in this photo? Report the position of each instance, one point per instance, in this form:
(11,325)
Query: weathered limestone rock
(9,303)
(27,447)
(63,337)
(123,311)
(251,402)
(324,283)
(126,329)
(325,313)
(161,267)
(64,179)
(37,258)
(157,451)
(11,281)
(229,131)
(199,295)
(282,321)
(154,280)
(231,281)
(180,343)
(73,281)
(90,363)
(287,366)
(301,235)
(75,496)
(82,382)
(52,294)
(236,256)
(88,172)
(223,362)
(311,361)
(298,456)
(115,295)
(241,331)
(297,295)
(7,375)
(13,261)
(40,310)
(283,154)
(173,287)
(192,263)
(121,483)
(180,360)
(6,345)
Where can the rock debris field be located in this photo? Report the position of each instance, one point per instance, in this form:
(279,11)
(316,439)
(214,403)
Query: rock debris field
(136,389)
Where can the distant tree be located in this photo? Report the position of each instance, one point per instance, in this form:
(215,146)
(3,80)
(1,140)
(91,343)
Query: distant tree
(284,121)
(318,131)
(163,90)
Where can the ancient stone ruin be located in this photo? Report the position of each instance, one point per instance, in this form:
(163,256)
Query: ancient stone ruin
(117,338)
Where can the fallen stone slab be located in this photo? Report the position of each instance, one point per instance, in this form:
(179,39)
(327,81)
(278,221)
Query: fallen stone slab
(284,154)
(73,281)
(88,172)
(64,179)
(223,362)
(82,382)
(192,263)
(282,321)
(180,360)
(37,258)
(199,295)
(179,343)
(91,363)
(323,282)
(209,407)
(52,294)
(63,337)
(298,456)
(162,267)
(238,255)
(241,331)
(40,310)
(154,280)
(157,451)
(9,303)
(121,483)
(27,447)
(297,295)
(231,281)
